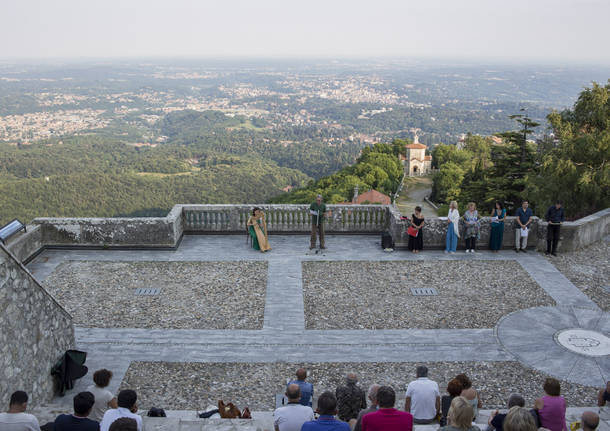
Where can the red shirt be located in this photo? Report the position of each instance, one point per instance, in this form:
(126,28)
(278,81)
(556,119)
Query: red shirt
(387,420)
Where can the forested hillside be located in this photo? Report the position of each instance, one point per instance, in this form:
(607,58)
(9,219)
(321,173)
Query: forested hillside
(378,167)
(86,176)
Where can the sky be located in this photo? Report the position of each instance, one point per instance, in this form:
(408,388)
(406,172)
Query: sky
(557,31)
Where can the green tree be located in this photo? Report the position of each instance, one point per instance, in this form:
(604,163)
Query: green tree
(447,182)
(576,169)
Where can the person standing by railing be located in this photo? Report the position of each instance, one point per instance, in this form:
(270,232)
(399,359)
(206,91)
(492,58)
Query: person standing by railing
(497,227)
(317,210)
(522,222)
(453,231)
(554,216)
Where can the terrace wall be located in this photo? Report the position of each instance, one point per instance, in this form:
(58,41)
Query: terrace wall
(34,332)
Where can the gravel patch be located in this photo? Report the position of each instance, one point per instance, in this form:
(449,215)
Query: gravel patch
(194,386)
(194,295)
(589,270)
(377,295)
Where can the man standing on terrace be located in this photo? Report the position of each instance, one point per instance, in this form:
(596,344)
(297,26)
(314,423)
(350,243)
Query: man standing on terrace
(317,210)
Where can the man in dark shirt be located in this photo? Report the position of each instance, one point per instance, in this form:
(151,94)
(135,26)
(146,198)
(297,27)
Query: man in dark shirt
(83,403)
(554,216)
(317,210)
(496,420)
(524,216)
(350,399)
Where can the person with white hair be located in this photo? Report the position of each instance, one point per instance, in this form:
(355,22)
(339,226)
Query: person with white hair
(372,395)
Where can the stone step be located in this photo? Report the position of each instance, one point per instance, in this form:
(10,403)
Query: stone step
(187,420)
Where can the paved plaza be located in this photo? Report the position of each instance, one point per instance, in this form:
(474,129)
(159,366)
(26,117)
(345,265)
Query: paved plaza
(522,340)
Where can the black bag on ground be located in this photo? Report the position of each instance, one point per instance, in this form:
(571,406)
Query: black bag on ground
(155,412)
(69,368)
(386,240)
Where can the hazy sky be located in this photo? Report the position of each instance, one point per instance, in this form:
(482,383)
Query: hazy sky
(536,30)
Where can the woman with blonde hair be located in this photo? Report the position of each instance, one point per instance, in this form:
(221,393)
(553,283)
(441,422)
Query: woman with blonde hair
(460,416)
(257,229)
(453,231)
(519,419)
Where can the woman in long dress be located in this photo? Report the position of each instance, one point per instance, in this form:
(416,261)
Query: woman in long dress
(497,227)
(257,228)
(416,244)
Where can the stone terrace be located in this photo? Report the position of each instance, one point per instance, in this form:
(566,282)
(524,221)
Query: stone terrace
(517,342)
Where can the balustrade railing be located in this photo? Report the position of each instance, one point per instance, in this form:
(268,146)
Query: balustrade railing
(284,218)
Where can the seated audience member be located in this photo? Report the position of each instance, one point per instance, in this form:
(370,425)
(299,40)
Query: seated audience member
(460,416)
(350,399)
(292,416)
(497,419)
(104,399)
(373,408)
(604,395)
(306,387)
(127,408)
(124,424)
(16,419)
(327,408)
(83,403)
(423,400)
(519,419)
(454,389)
(469,393)
(551,408)
(387,418)
(589,421)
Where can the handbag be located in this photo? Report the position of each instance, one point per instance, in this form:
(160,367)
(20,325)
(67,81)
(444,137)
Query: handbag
(412,231)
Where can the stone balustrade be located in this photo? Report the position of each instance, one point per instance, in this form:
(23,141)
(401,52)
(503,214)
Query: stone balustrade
(284,218)
(166,232)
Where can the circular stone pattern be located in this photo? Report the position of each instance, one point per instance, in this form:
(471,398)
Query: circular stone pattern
(584,341)
(567,342)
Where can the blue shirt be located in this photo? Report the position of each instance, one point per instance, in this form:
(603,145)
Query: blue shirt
(524,216)
(326,423)
(306,391)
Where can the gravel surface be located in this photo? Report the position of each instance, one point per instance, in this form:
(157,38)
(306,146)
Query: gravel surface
(377,295)
(589,270)
(195,295)
(192,386)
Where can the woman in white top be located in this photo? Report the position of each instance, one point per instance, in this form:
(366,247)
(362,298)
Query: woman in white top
(453,232)
(104,399)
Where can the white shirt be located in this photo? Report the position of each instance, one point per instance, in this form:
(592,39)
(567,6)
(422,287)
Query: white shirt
(292,417)
(102,398)
(18,422)
(113,414)
(423,393)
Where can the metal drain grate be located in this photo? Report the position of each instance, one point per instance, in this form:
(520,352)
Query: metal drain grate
(148,291)
(423,291)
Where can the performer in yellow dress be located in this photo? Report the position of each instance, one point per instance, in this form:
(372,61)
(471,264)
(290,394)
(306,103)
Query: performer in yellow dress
(257,228)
